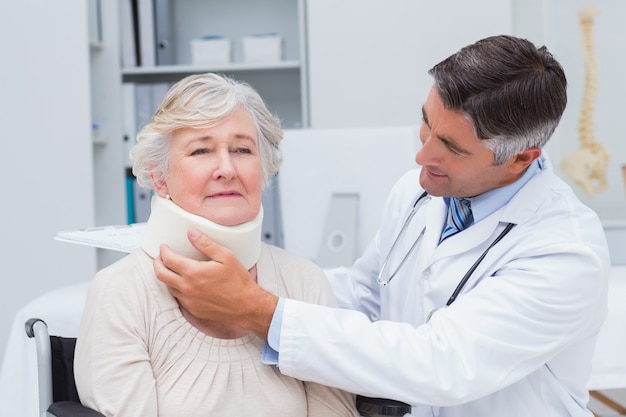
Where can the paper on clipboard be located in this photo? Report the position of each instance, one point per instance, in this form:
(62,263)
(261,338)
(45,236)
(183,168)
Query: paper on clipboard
(121,238)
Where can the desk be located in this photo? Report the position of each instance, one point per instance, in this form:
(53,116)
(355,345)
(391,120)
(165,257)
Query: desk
(62,310)
(609,359)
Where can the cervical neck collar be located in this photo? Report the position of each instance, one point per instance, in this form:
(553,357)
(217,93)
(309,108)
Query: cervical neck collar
(168,223)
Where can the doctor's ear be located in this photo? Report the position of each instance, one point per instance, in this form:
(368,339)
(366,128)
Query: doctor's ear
(522,160)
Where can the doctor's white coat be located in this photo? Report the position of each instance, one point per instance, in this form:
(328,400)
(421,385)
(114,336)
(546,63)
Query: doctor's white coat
(518,340)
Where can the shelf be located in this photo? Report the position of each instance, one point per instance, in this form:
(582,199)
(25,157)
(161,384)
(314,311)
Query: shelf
(181,70)
(282,84)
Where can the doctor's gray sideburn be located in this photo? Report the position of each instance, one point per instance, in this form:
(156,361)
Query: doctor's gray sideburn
(514,102)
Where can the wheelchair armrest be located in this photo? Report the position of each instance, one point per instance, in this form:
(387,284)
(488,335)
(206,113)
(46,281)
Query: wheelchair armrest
(72,409)
(381,406)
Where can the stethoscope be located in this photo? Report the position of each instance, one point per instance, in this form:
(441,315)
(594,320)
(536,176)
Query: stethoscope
(466,277)
(380,280)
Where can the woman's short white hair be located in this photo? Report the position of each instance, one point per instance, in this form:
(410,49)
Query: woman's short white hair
(203,100)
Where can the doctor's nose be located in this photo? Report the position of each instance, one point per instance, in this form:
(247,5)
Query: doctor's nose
(424,154)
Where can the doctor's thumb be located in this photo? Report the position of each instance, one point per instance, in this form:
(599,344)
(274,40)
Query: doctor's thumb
(202,243)
(198,239)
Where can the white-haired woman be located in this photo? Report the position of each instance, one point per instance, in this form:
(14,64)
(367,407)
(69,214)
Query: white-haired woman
(208,152)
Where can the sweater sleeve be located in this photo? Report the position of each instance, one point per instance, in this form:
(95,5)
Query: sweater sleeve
(112,366)
(305,281)
(323,401)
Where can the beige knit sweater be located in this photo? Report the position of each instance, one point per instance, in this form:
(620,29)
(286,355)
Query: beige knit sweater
(137,356)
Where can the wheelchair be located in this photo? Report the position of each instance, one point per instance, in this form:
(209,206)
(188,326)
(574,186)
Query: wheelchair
(55,359)
(58,396)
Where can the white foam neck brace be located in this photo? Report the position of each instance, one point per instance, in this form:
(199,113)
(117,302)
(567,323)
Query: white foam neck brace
(168,223)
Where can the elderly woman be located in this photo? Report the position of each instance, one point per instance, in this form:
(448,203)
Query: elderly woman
(208,152)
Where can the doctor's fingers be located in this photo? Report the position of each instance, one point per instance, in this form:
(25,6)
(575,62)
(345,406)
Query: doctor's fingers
(184,288)
(188,276)
(168,276)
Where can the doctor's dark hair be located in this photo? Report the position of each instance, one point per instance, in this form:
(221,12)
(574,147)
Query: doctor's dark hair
(513,92)
(200,101)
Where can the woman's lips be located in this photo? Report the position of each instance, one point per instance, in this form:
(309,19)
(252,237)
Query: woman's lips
(225,194)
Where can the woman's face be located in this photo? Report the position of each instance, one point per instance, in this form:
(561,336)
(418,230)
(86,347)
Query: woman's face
(216,172)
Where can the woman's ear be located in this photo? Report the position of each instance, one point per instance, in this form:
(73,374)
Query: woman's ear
(160,186)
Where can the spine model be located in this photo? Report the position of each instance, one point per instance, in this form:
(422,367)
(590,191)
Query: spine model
(587,165)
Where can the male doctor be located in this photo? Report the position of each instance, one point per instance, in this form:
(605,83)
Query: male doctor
(484,289)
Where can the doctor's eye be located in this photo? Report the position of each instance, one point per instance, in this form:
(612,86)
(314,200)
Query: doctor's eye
(454,149)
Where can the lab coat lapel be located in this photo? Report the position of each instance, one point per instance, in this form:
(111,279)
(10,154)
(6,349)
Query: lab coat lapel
(435,213)
(522,206)
(432,251)
(466,240)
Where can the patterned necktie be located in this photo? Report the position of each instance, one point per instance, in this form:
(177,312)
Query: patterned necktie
(459,217)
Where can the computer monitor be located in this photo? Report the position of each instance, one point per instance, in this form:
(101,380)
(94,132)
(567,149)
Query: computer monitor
(347,171)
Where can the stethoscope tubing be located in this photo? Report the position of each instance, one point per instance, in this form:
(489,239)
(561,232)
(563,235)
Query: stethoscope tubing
(395,242)
(470,271)
(467,275)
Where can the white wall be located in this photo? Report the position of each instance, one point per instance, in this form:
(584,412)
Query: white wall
(45,157)
(368,63)
(555,23)
(368,59)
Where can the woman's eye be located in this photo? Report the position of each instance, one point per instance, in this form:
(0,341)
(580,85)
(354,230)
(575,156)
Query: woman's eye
(201,151)
(243,150)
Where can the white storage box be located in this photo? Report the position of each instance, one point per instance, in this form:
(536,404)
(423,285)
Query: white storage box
(210,50)
(262,48)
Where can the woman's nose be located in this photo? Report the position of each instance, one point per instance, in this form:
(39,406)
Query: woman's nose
(225,167)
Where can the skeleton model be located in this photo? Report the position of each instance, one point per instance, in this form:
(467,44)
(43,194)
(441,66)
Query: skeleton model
(587,165)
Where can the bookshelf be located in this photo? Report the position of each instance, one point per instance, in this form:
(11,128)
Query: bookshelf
(106,119)
(177,22)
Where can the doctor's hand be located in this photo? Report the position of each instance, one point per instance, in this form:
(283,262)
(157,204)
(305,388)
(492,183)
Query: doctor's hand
(219,289)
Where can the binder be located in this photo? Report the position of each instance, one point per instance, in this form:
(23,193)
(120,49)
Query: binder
(143,104)
(138,200)
(158,93)
(164,42)
(142,199)
(129,119)
(148,98)
(147,45)
(130,196)
(272,228)
(128,41)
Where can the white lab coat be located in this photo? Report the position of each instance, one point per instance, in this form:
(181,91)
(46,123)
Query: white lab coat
(519,339)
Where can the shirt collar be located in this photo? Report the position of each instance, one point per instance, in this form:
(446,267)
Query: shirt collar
(485,204)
